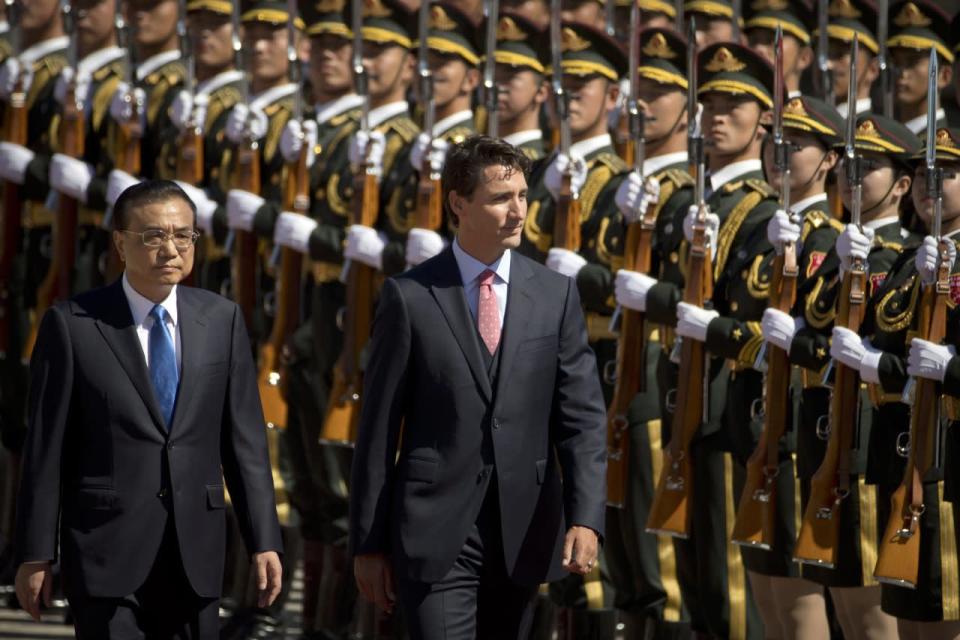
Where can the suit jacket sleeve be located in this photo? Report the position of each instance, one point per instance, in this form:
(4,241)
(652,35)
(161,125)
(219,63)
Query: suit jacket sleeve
(579,425)
(51,390)
(243,449)
(374,458)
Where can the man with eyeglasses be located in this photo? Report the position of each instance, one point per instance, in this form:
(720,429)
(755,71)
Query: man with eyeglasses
(143,401)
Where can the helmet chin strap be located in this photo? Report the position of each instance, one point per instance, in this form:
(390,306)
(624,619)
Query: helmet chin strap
(653,141)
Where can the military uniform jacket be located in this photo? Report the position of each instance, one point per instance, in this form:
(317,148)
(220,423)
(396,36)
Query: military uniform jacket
(161,77)
(529,142)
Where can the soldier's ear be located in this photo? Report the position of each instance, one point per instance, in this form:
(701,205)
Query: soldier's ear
(946,76)
(766,117)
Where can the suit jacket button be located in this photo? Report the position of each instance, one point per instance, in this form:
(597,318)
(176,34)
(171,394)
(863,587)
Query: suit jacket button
(170,445)
(496,423)
(162,493)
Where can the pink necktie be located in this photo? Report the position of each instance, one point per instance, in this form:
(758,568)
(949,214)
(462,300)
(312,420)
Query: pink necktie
(488,312)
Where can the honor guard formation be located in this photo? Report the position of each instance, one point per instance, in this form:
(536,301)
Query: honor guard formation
(759,202)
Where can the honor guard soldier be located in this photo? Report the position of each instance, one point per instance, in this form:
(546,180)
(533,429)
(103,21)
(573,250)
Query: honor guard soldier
(588,12)
(795,20)
(884,146)
(523,88)
(736,91)
(846,19)
(926,603)
(715,21)
(916,26)
(641,565)
(536,11)
(655,13)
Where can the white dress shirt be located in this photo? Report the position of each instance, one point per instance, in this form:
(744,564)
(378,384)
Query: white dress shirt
(470,270)
(140,308)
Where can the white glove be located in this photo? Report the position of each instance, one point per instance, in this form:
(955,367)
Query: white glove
(779,328)
(368,147)
(189,110)
(205,206)
(294,136)
(847,348)
(423,244)
(244,121)
(242,209)
(9,72)
(124,100)
(555,172)
(929,360)
(365,244)
(928,255)
(781,230)
(70,176)
(631,289)
(117,183)
(566,262)
(853,244)
(13,162)
(712,225)
(435,150)
(81,91)
(692,321)
(634,196)
(293,231)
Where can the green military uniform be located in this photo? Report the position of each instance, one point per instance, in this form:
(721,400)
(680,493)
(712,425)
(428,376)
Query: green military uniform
(641,565)
(921,25)
(161,77)
(817,302)
(892,320)
(521,46)
(712,576)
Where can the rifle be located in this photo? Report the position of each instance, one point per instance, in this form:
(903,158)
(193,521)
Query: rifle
(678,8)
(631,345)
(429,212)
(490,66)
(883,58)
(824,79)
(296,193)
(131,131)
(566,227)
(818,540)
(669,511)
(899,554)
(247,178)
(190,143)
(15,131)
(57,283)
(343,411)
(735,20)
(756,511)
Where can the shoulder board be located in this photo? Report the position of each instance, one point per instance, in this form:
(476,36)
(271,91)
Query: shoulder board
(104,72)
(458,134)
(817,218)
(678,177)
(761,186)
(404,126)
(342,118)
(890,244)
(611,160)
(54,62)
(227,95)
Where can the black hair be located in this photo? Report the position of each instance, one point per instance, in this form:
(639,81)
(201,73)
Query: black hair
(144,193)
(466,162)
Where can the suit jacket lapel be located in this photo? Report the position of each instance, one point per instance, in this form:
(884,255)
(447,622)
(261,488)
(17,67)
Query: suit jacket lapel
(448,292)
(519,301)
(192,323)
(116,325)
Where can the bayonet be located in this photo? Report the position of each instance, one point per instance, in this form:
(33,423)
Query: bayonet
(489,67)
(238,58)
(678,8)
(359,71)
(293,60)
(853,168)
(186,49)
(424,72)
(694,132)
(612,18)
(883,58)
(824,77)
(556,56)
(736,20)
(634,112)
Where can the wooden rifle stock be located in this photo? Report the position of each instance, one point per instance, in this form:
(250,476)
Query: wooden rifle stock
(128,160)
(756,512)
(244,262)
(343,410)
(898,560)
(429,212)
(631,365)
(818,540)
(566,226)
(58,281)
(15,129)
(190,160)
(669,511)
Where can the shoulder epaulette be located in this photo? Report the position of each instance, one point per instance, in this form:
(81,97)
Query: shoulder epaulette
(342,118)
(890,244)
(458,134)
(761,186)
(678,177)
(611,160)
(403,126)
(104,72)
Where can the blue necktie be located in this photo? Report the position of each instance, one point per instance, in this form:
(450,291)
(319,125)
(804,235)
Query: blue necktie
(163,364)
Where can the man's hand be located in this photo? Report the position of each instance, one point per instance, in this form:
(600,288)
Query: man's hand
(580,549)
(374,577)
(33,580)
(269,574)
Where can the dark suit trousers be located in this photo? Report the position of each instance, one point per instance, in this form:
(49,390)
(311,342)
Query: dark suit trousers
(165,607)
(476,599)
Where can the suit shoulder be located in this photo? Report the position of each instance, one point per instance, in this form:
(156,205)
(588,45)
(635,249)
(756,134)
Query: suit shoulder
(552,280)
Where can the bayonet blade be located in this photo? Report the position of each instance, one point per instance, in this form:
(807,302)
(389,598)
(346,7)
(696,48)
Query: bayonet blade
(423,69)
(293,59)
(490,66)
(633,104)
(824,78)
(359,71)
(238,54)
(886,71)
(932,112)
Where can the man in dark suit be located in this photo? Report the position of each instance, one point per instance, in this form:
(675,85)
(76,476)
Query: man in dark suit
(143,398)
(482,356)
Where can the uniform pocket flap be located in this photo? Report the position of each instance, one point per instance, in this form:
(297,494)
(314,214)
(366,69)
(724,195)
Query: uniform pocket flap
(421,470)
(215,496)
(97,499)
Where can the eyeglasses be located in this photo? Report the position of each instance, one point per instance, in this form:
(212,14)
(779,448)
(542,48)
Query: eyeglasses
(156,238)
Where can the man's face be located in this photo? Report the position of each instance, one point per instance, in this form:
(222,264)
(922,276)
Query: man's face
(36,14)
(807,157)
(154,22)
(761,41)
(711,30)
(879,176)
(584,12)
(838,61)
(729,122)
(911,80)
(267,44)
(493,216)
(95,24)
(211,35)
(330,70)
(591,97)
(518,91)
(386,66)
(663,105)
(536,11)
(951,193)
(452,77)
(147,267)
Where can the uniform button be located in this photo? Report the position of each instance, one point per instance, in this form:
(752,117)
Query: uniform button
(163,493)
(496,424)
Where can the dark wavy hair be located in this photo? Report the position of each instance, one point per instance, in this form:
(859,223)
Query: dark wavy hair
(466,162)
(144,193)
